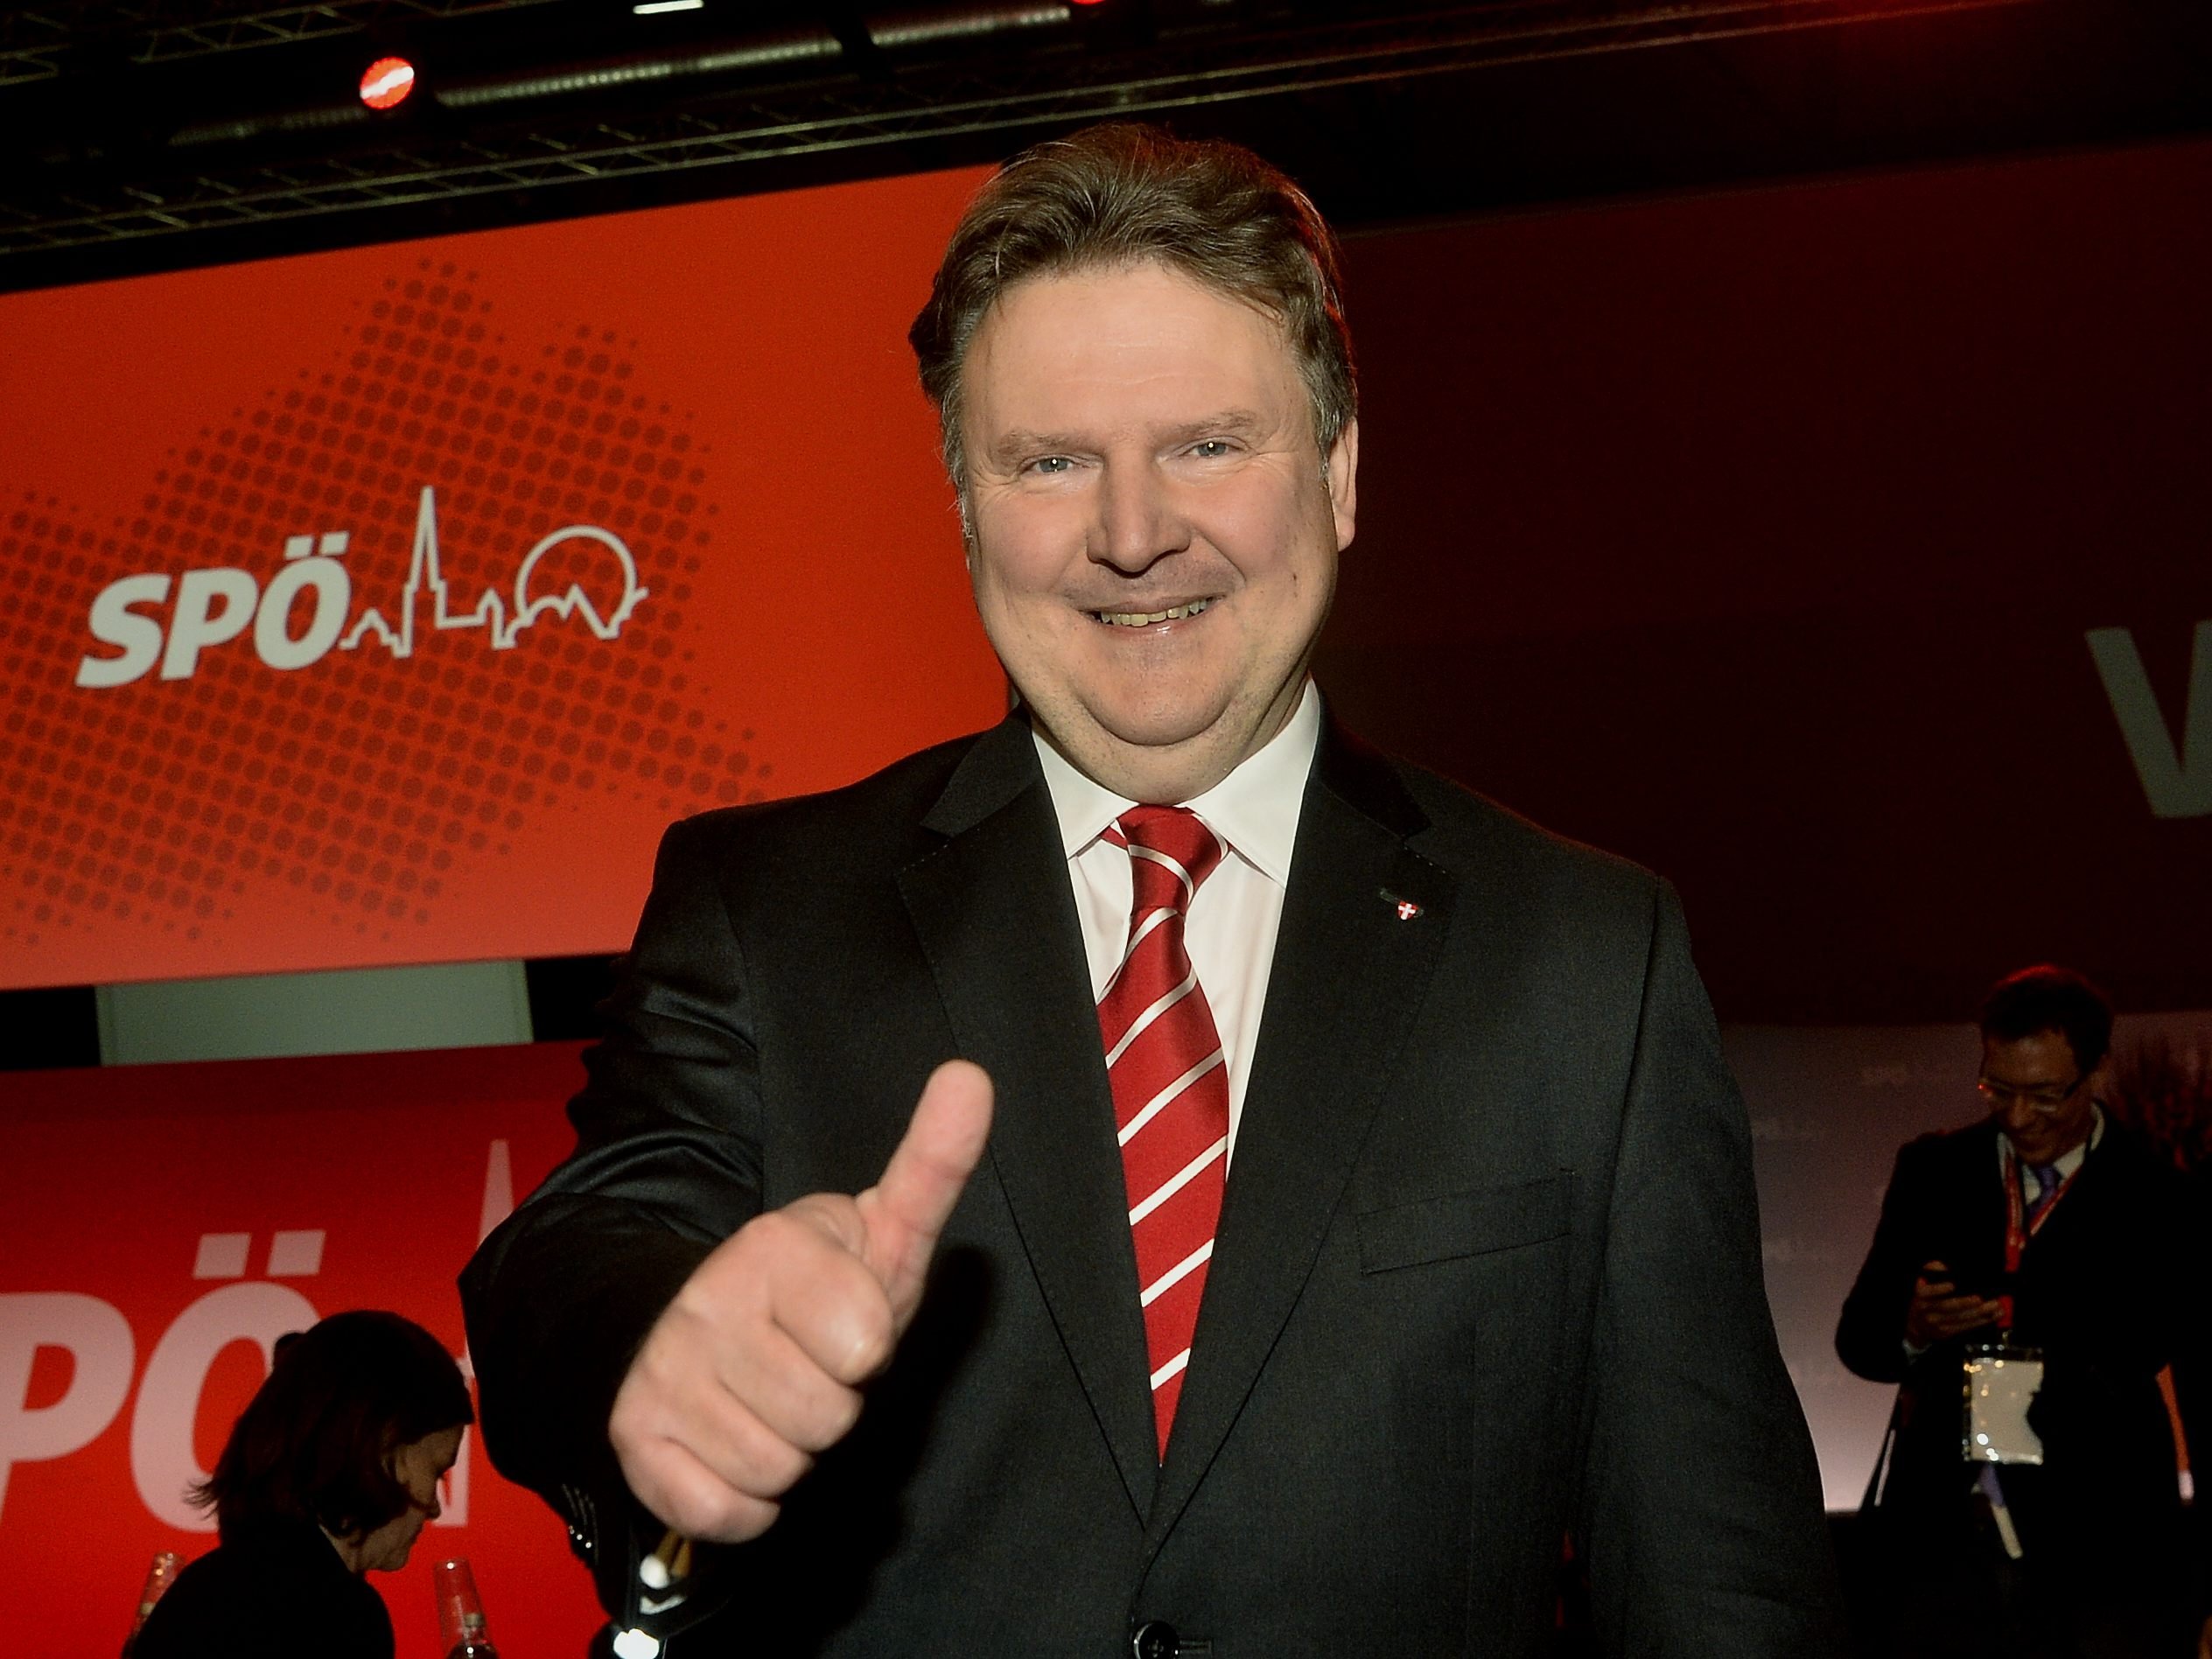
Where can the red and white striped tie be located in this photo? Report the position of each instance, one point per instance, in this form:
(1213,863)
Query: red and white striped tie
(1171,1089)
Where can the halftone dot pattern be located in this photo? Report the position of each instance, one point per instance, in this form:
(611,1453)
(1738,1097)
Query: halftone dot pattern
(366,786)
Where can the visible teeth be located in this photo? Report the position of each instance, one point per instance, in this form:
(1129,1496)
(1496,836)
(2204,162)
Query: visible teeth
(1145,619)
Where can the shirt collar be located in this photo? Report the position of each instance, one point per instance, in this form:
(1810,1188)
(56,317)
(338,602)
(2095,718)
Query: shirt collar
(1255,808)
(2068,1161)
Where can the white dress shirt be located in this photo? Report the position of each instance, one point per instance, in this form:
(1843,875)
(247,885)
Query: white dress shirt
(1230,933)
(2066,1163)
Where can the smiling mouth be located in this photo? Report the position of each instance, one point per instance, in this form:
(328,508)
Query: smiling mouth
(1146,619)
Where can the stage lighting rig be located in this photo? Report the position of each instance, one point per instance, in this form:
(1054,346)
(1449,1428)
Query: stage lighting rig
(198,129)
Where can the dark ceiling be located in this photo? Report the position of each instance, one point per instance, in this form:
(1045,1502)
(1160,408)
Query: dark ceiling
(152,136)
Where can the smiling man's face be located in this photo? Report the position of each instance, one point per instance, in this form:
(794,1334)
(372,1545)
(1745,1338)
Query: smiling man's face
(1154,530)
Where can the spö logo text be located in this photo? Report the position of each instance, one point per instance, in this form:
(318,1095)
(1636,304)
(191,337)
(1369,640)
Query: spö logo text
(303,613)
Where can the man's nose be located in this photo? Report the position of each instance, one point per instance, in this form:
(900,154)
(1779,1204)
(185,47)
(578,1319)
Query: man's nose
(2013,1113)
(1138,521)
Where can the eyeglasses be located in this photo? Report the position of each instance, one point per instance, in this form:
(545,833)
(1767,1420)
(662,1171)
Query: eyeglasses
(1998,1096)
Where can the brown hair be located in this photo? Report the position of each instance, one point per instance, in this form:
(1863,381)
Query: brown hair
(2048,997)
(315,1441)
(1123,194)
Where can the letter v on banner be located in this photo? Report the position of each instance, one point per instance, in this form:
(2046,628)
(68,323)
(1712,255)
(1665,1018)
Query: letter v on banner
(2177,777)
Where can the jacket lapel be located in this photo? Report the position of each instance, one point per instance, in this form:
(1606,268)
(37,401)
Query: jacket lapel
(1349,970)
(998,923)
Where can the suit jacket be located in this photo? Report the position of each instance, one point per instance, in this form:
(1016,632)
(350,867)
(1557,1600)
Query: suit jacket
(1487,1268)
(2110,1288)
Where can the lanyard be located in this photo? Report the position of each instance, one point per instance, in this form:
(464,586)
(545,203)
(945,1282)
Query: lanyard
(2018,1228)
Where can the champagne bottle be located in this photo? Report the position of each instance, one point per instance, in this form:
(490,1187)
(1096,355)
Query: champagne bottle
(167,1565)
(460,1612)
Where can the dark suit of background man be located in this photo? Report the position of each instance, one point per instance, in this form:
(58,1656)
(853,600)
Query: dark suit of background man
(1484,1270)
(2109,1285)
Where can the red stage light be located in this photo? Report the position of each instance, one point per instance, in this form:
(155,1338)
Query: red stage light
(387,82)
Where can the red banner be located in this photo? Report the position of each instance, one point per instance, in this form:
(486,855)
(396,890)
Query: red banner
(382,606)
(1836,548)
(164,1225)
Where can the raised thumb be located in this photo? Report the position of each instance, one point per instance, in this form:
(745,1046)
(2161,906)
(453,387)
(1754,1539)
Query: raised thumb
(907,1210)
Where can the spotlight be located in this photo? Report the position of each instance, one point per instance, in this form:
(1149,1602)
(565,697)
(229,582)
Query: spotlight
(386,83)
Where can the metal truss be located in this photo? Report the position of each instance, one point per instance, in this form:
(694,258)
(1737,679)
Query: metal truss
(34,43)
(851,112)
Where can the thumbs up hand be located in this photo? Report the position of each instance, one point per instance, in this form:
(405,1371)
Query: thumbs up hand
(755,1367)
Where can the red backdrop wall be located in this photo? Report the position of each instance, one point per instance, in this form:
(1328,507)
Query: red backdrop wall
(1761,536)
(163,1225)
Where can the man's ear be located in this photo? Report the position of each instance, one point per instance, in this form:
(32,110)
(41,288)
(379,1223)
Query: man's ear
(2099,1082)
(1340,472)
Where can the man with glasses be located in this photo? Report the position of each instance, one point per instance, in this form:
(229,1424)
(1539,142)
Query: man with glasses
(2044,1234)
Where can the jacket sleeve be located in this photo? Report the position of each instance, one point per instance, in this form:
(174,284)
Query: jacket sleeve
(1869,1335)
(667,1165)
(1700,1515)
(2192,1378)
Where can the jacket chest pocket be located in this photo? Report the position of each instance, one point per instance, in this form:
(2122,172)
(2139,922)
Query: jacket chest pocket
(1479,1222)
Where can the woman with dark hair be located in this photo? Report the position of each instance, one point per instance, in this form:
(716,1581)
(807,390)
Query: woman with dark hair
(331,1471)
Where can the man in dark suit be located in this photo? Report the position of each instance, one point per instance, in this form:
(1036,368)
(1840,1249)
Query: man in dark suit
(2049,1227)
(1314,1332)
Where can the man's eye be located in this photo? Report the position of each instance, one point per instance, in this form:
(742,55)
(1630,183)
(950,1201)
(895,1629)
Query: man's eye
(1051,465)
(1211,449)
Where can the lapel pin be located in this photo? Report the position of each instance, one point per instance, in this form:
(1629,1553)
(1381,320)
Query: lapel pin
(1405,907)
